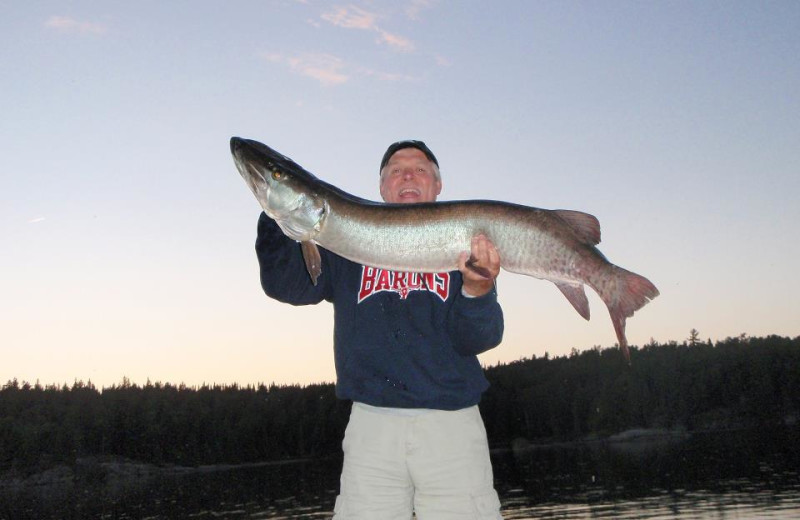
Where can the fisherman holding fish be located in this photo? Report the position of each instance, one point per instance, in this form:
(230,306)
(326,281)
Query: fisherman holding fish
(405,347)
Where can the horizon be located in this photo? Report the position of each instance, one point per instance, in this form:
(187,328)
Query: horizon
(125,381)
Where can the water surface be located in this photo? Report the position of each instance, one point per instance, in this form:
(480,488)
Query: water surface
(734,475)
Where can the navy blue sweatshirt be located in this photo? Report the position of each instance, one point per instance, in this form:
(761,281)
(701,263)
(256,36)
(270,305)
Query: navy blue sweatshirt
(403,340)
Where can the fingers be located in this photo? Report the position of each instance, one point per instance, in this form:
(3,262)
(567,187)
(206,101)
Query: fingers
(462,260)
(480,266)
(472,263)
(484,255)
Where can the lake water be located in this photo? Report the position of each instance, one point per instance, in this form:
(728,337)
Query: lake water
(735,475)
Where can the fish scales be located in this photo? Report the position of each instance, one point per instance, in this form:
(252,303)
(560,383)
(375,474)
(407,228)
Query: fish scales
(429,237)
(555,245)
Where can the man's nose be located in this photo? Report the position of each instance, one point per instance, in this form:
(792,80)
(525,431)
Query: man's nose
(408,173)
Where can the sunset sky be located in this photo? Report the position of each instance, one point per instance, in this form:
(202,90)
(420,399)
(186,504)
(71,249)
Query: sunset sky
(127,234)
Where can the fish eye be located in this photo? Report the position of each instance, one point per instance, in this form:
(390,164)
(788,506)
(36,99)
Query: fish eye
(277,175)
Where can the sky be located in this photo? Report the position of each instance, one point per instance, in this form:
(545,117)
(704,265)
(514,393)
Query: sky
(126,233)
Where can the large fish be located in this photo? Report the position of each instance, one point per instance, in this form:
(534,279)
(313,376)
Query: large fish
(555,245)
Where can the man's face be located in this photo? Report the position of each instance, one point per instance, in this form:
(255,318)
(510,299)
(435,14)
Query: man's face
(409,177)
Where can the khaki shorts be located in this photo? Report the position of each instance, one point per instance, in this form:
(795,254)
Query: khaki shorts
(430,462)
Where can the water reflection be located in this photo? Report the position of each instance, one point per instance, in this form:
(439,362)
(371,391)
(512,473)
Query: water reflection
(741,475)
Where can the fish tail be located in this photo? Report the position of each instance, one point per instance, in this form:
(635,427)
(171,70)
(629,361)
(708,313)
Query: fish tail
(629,293)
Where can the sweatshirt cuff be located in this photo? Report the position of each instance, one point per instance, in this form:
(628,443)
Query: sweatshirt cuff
(465,294)
(492,293)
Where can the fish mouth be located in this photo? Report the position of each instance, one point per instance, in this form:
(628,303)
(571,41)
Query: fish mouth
(242,153)
(240,148)
(236,143)
(249,172)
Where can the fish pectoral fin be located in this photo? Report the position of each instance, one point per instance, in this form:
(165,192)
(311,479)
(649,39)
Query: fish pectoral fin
(585,226)
(312,259)
(576,296)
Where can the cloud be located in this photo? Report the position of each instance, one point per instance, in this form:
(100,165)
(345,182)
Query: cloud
(66,24)
(388,76)
(352,17)
(397,42)
(416,6)
(330,70)
(324,68)
(36,220)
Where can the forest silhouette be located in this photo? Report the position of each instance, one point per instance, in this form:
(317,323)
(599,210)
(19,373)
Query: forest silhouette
(690,386)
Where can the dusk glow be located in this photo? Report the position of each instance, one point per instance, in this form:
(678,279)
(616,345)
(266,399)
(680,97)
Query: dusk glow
(127,233)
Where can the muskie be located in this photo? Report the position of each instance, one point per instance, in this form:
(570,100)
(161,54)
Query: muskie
(555,245)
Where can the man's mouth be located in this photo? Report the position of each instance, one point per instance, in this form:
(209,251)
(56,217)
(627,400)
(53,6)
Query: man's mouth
(409,192)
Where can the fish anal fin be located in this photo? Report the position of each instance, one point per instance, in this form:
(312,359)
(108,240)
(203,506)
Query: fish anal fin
(585,226)
(576,296)
(312,259)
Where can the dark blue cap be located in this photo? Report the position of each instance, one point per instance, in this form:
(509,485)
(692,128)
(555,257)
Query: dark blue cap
(399,145)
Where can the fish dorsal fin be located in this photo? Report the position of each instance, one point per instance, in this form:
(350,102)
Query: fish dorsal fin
(586,226)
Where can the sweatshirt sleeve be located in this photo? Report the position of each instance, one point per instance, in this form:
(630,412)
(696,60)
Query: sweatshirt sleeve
(476,324)
(283,270)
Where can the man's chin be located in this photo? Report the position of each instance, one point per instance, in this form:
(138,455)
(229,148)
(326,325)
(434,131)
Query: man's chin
(409,198)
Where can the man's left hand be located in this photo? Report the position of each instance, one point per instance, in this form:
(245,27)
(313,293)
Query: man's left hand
(484,256)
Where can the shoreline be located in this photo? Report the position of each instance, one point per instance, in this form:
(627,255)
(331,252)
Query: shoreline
(115,472)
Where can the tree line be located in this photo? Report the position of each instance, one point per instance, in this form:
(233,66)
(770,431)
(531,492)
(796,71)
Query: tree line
(693,385)
(735,383)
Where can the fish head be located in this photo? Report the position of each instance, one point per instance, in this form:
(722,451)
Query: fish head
(285,191)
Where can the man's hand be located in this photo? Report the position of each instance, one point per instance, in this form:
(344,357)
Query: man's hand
(485,257)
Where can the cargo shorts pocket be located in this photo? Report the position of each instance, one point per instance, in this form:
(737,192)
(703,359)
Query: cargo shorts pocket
(486,506)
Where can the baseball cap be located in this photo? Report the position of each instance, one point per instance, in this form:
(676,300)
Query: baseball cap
(399,145)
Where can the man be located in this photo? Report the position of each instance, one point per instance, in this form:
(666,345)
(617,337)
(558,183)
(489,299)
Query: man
(405,347)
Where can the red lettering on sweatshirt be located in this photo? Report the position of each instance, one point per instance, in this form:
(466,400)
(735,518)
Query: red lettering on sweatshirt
(375,280)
